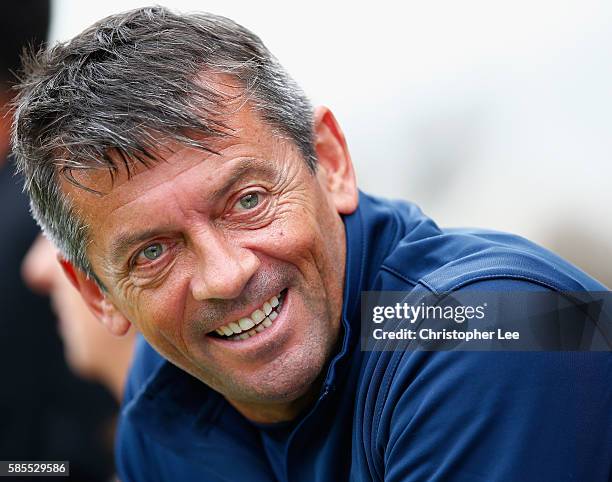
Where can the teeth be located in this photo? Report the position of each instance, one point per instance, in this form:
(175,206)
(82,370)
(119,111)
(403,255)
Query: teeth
(246,323)
(258,321)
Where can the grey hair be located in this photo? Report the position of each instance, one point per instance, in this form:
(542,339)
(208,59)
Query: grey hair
(106,98)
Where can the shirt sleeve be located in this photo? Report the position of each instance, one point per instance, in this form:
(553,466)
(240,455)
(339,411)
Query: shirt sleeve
(497,416)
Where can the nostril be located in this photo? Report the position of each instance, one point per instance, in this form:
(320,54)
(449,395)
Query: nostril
(36,268)
(37,278)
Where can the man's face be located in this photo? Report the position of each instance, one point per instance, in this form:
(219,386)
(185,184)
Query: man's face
(201,244)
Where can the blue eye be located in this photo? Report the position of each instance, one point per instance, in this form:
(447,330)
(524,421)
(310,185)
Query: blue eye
(249,201)
(153,251)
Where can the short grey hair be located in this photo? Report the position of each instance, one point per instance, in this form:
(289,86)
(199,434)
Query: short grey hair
(104,99)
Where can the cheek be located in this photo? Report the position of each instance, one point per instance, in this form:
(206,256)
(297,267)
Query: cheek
(160,313)
(296,240)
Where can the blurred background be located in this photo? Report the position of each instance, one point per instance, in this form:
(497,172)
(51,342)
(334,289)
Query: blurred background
(485,113)
(55,405)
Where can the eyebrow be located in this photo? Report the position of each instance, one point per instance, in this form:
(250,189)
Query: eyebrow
(122,244)
(247,166)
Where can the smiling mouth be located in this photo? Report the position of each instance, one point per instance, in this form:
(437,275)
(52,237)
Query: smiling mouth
(260,319)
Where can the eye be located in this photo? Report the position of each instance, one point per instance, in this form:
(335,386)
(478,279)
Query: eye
(249,201)
(153,251)
(153,258)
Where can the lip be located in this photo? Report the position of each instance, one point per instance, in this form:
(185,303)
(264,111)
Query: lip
(261,339)
(243,314)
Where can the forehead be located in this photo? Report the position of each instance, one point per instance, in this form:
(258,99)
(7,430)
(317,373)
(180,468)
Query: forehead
(250,139)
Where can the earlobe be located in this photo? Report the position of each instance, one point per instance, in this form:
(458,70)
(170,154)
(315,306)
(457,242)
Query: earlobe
(113,319)
(96,300)
(335,166)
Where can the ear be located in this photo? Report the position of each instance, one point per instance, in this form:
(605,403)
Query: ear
(96,299)
(334,161)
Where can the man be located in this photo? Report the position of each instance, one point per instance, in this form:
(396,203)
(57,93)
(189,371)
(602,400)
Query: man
(195,195)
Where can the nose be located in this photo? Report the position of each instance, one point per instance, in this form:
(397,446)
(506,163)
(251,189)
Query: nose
(223,269)
(40,266)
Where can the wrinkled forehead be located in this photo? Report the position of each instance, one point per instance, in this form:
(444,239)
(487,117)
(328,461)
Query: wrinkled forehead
(244,125)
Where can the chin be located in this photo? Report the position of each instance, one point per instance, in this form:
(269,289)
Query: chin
(284,384)
(78,365)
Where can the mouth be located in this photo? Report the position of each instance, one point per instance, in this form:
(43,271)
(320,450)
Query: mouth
(258,321)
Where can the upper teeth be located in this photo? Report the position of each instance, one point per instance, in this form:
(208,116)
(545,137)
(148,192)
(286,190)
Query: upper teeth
(261,318)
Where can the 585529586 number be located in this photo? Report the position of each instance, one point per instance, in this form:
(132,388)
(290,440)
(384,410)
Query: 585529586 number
(16,468)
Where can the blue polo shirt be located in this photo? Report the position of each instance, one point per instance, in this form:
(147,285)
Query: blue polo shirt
(402,415)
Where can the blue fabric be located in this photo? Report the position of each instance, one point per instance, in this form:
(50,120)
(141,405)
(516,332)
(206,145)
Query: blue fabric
(395,416)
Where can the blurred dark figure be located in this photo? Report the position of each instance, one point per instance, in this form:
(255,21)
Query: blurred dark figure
(90,350)
(46,413)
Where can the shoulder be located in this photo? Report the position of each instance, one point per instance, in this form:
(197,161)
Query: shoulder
(135,440)
(502,415)
(131,443)
(418,252)
(458,415)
